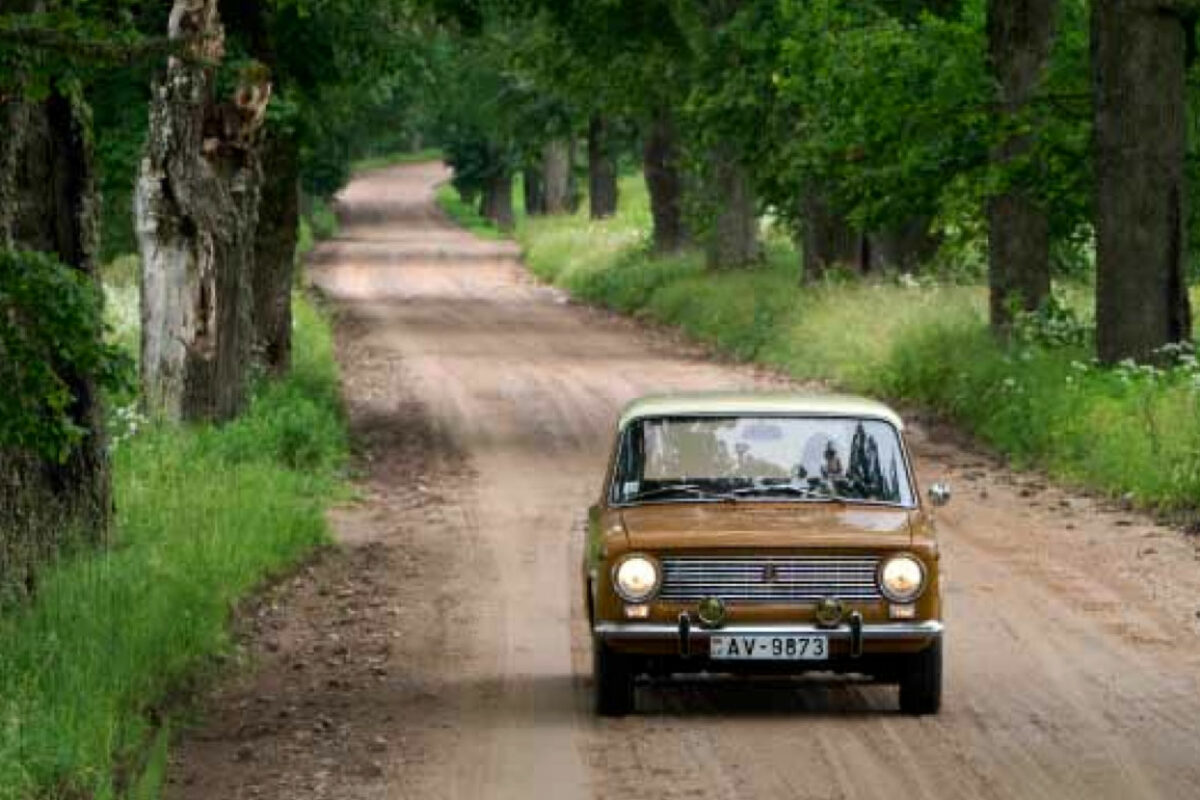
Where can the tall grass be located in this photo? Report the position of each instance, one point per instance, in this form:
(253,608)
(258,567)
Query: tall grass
(204,514)
(1123,431)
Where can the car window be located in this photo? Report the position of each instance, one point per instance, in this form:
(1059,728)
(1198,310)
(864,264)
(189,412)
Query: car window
(777,458)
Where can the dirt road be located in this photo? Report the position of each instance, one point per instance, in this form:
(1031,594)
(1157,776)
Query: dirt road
(441,652)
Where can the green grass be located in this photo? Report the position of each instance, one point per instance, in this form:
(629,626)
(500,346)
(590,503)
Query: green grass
(204,515)
(1122,431)
(394,159)
(467,214)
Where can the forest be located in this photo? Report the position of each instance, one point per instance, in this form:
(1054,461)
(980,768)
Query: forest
(984,208)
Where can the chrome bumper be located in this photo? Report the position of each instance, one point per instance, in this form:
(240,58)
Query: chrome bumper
(871,632)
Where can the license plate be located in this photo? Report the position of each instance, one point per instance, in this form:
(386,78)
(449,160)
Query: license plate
(769,648)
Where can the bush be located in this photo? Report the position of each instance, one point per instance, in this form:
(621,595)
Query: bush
(51,330)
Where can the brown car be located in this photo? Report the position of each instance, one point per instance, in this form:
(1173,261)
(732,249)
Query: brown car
(763,534)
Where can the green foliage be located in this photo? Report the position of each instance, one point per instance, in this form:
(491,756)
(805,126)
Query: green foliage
(51,330)
(467,213)
(1134,429)
(204,515)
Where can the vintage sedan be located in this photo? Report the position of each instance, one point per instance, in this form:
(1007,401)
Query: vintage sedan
(763,534)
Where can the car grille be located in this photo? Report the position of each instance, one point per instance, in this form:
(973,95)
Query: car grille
(757,579)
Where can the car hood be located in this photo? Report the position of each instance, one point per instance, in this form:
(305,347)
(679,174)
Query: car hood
(674,526)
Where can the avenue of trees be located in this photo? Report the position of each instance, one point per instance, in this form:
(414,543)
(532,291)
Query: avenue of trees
(878,133)
(189,132)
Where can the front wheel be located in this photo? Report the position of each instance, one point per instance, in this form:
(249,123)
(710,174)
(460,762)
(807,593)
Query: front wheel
(612,679)
(921,682)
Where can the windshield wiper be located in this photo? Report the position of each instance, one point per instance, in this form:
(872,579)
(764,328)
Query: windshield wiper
(790,489)
(679,488)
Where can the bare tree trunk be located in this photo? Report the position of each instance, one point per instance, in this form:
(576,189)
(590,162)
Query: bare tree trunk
(196,205)
(534,191)
(602,170)
(827,238)
(1020,36)
(1138,71)
(497,200)
(556,171)
(733,240)
(275,253)
(48,203)
(664,182)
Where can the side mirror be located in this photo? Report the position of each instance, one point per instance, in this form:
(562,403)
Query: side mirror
(939,494)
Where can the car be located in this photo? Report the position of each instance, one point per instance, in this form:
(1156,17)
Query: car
(756,533)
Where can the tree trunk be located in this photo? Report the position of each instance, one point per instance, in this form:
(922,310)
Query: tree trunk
(275,253)
(556,171)
(497,200)
(827,238)
(664,182)
(574,192)
(733,240)
(602,170)
(904,247)
(1138,71)
(1020,36)
(48,203)
(534,190)
(196,207)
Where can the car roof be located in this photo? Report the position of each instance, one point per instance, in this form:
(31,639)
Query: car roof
(687,404)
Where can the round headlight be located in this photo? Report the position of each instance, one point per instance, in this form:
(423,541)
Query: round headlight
(636,578)
(901,579)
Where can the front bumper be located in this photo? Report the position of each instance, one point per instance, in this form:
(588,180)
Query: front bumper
(926,630)
(851,639)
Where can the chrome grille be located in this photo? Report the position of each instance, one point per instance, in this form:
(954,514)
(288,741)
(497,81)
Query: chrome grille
(759,579)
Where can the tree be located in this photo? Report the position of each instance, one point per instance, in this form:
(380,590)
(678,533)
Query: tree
(342,74)
(602,168)
(1139,52)
(620,60)
(55,491)
(54,364)
(728,44)
(556,175)
(1020,35)
(197,210)
(664,182)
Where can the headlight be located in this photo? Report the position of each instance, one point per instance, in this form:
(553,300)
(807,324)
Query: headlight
(636,578)
(902,579)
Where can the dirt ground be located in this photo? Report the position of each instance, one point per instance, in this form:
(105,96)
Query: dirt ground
(440,652)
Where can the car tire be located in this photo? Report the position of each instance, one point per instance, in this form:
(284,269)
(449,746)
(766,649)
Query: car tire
(612,678)
(921,682)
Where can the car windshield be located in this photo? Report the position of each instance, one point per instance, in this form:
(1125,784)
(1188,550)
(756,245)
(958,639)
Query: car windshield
(781,459)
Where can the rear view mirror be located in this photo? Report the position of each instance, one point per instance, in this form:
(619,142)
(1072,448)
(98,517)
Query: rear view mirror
(939,494)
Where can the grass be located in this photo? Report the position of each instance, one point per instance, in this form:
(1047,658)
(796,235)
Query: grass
(394,159)
(1123,431)
(204,516)
(467,214)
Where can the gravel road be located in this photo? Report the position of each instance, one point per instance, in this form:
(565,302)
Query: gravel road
(440,652)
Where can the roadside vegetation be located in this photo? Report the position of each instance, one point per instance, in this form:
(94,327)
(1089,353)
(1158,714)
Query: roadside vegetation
(204,515)
(878,194)
(1132,431)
